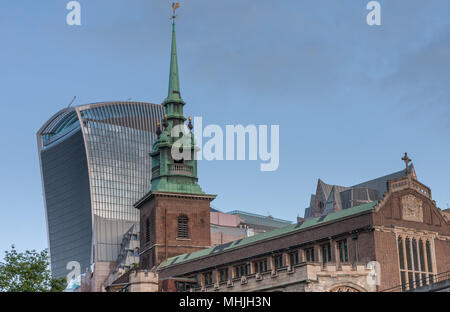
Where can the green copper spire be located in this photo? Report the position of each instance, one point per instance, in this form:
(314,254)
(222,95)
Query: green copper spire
(172,172)
(174,95)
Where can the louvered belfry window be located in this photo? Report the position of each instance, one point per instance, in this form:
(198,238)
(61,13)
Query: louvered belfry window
(183,228)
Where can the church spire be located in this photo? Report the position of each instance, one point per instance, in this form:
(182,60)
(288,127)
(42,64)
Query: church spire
(172,172)
(174,95)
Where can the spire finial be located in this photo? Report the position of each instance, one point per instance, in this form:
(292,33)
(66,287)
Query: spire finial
(158,129)
(174,95)
(165,123)
(407,161)
(175,6)
(190,126)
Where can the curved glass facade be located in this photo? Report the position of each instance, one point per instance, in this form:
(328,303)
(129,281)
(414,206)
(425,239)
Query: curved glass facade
(95,166)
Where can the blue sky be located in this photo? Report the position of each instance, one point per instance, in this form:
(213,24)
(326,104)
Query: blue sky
(350,99)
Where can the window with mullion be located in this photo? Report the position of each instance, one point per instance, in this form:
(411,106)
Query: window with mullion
(260,266)
(309,254)
(326,253)
(208,278)
(414,262)
(343,250)
(294,259)
(223,275)
(242,270)
(278,261)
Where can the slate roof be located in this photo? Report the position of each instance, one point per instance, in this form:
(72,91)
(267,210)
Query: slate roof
(308,211)
(326,188)
(334,199)
(332,192)
(268,235)
(380,184)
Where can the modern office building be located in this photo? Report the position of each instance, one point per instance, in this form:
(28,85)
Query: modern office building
(94,165)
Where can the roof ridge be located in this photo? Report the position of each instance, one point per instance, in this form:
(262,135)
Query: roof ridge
(384,176)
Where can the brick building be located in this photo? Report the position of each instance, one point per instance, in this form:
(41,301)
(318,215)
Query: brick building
(401,239)
(373,236)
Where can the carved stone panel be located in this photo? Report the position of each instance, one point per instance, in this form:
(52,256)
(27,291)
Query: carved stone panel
(412,208)
(344,289)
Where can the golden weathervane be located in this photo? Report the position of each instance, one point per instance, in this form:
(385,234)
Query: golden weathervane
(175,6)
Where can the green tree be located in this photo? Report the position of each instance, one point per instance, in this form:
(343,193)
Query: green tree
(28,271)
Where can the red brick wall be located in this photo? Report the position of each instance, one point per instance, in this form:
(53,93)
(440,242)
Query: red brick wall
(389,216)
(167,285)
(442,255)
(163,212)
(373,243)
(387,256)
(343,227)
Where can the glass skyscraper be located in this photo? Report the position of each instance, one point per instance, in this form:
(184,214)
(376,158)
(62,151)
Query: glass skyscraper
(94,165)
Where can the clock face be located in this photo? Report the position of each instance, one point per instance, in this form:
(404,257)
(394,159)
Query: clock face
(412,208)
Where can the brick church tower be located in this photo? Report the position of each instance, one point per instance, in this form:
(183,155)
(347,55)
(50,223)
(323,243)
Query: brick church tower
(175,214)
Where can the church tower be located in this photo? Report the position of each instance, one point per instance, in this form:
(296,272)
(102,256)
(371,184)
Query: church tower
(175,214)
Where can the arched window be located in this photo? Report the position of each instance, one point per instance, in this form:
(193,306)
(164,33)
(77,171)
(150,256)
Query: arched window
(183,228)
(147,230)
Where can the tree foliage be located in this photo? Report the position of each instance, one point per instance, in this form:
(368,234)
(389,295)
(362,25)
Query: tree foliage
(28,271)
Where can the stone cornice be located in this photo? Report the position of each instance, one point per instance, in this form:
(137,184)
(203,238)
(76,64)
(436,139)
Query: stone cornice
(170,245)
(152,194)
(404,231)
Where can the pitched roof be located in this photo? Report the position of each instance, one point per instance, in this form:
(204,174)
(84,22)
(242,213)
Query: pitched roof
(380,184)
(326,188)
(313,199)
(334,202)
(268,235)
(308,211)
(332,192)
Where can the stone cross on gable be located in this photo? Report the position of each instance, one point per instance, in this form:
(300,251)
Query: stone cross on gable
(407,161)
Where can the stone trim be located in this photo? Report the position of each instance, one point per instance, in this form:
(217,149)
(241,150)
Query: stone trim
(305,277)
(152,194)
(408,183)
(410,232)
(170,245)
(419,236)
